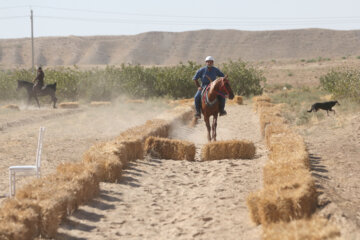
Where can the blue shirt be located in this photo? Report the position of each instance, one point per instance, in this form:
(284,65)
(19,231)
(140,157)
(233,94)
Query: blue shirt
(213,73)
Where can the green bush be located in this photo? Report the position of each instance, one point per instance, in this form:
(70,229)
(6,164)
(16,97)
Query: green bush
(343,83)
(245,80)
(137,81)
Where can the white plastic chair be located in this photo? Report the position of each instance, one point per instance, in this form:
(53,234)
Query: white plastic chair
(27,170)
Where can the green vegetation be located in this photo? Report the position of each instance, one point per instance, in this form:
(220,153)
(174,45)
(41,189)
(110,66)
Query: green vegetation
(133,80)
(342,83)
(298,102)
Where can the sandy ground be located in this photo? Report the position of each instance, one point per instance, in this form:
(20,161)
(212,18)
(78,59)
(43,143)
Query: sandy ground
(69,133)
(168,199)
(334,147)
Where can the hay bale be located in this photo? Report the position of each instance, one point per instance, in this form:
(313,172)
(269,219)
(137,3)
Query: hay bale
(19,219)
(316,227)
(99,104)
(155,127)
(236,100)
(69,105)
(138,101)
(262,98)
(252,203)
(11,106)
(81,179)
(287,201)
(231,149)
(170,149)
(54,200)
(275,173)
(107,163)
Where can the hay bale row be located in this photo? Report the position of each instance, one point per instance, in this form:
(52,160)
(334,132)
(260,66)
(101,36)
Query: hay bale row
(39,207)
(289,191)
(69,105)
(169,148)
(99,103)
(231,149)
(315,227)
(11,106)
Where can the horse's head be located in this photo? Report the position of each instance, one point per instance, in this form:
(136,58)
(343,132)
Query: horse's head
(225,87)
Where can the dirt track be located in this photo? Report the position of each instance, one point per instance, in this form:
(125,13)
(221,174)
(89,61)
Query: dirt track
(69,133)
(159,199)
(167,199)
(334,147)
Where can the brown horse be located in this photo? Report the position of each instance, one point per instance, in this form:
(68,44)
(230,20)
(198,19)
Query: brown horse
(210,103)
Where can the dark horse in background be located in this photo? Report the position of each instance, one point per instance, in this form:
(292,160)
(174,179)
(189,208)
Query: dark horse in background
(47,90)
(210,103)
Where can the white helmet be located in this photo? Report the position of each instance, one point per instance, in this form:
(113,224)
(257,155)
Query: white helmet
(209,58)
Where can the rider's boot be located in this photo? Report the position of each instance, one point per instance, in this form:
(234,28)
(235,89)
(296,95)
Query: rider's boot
(223,112)
(197,115)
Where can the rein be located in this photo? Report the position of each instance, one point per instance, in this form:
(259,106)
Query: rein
(220,92)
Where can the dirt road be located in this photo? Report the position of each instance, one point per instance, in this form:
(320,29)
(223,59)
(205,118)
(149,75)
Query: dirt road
(334,147)
(167,199)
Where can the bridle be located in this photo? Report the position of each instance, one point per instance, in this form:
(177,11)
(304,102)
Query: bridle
(222,88)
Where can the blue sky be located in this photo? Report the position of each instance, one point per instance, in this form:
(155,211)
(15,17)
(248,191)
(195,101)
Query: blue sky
(120,17)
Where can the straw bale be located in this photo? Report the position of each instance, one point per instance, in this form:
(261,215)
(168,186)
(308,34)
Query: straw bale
(20,220)
(10,230)
(252,203)
(315,228)
(135,101)
(287,201)
(262,98)
(99,103)
(69,105)
(230,149)
(155,127)
(55,200)
(277,173)
(275,128)
(107,164)
(170,149)
(236,100)
(81,179)
(266,119)
(288,148)
(11,106)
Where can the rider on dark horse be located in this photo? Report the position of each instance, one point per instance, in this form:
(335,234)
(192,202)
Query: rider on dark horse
(207,74)
(38,81)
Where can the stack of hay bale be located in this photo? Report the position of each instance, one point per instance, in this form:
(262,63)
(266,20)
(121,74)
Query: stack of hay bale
(39,207)
(286,205)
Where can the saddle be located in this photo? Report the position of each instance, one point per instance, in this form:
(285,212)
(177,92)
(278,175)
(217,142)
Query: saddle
(204,96)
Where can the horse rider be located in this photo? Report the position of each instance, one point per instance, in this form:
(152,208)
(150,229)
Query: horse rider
(207,74)
(39,80)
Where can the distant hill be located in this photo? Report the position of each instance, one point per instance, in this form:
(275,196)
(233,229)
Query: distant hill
(167,48)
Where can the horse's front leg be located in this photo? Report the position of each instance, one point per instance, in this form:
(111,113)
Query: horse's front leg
(214,125)
(207,122)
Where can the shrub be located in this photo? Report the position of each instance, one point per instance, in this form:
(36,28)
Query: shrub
(343,83)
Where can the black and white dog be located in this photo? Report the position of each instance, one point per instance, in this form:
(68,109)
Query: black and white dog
(325,106)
